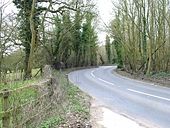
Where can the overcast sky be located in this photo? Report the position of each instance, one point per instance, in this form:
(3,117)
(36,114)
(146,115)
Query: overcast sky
(104,8)
(105,15)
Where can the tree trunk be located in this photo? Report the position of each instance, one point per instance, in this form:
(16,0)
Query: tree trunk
(33,40)
(1,53)
(27,73)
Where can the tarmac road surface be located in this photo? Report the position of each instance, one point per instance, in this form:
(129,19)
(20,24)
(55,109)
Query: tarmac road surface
(145,103)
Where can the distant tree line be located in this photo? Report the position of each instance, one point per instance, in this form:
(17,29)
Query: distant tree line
(140,32)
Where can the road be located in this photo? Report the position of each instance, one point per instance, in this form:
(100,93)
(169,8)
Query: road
(145,103)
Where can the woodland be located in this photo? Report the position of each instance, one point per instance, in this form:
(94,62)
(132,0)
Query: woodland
(141,36)
(63,34)
(47,32)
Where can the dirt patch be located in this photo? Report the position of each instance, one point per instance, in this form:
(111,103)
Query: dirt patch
(75,120)
(156,79)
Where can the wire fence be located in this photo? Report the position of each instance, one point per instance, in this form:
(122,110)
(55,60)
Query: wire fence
(12,76)
(28,106)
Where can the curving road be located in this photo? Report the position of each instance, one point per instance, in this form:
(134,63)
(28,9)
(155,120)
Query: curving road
(145,103)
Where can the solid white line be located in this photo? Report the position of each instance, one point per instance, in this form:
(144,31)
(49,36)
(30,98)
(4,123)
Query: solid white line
(151,95)
(105,81)
(92,74)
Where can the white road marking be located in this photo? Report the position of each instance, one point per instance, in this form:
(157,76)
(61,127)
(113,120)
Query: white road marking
(92,74)
(105,81)
(147,94)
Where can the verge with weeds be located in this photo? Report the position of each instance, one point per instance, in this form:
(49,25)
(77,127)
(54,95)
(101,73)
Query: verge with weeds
(69,109)
(160,78)
(74,108)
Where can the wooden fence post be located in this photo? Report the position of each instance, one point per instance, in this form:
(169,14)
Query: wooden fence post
(5,107)
(48,75)
(50,88)
(68,83)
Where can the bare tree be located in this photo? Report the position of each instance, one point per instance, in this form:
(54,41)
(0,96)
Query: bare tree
(7,30)
(144,33)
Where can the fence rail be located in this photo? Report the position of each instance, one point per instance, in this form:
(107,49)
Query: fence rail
(23,105)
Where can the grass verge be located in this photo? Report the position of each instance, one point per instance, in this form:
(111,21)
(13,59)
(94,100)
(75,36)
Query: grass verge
(18,98)
(72,110)
(75,106)
(160,78)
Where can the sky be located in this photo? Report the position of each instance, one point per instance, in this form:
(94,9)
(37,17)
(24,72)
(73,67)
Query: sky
(105,15)
(105,10)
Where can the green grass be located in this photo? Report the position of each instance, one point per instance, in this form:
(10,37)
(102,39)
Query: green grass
(72,99)
(21,97)
(51,122)
(75,102)
(72,93)
(18,98)
(161,75)
(13,81)
(18,76)
(17,84)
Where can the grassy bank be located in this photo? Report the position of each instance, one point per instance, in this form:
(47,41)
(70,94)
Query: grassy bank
(160,78)
(69,110)
(17,96)
(74,108)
